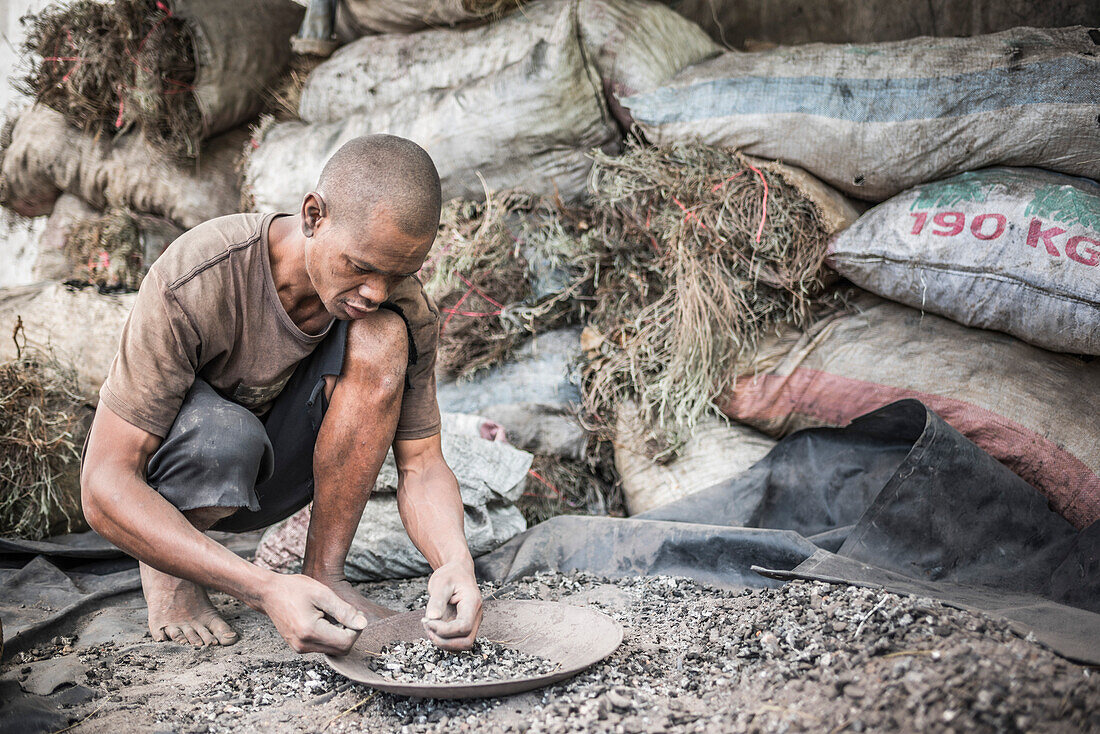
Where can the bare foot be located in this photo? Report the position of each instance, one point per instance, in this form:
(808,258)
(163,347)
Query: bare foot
(181,611)
(347,592)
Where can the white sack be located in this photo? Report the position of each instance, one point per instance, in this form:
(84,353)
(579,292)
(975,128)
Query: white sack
(717,451)
(1011,249)
(523,124)
(633,45)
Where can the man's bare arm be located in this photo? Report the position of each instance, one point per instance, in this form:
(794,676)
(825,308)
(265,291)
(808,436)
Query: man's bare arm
(125,510)
(431,510)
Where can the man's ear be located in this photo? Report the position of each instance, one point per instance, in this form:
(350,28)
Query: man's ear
(314,210)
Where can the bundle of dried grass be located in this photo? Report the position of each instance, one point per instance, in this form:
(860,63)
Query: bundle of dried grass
(107,251)
(558,486)
(41,429)
(699,253)
(283,97)
(110,67)
(501,270)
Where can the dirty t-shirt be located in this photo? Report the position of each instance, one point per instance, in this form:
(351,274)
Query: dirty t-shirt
(208,308)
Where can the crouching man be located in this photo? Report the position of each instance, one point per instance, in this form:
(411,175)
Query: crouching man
(271,360)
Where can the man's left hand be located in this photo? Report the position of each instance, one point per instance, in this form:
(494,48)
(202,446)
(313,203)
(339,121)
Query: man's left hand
(454,607)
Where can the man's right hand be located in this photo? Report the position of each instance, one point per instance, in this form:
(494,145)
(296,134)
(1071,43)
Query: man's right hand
(299,605)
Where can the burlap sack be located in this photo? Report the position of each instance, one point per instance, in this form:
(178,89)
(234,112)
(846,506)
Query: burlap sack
(47,157)
(1035,411)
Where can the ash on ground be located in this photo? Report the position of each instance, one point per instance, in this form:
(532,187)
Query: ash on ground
(422,662)
(803,657)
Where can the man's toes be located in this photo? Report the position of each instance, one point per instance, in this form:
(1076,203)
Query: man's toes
(174,633)
(158,634)
(221,629)
(191,635)
(207,636)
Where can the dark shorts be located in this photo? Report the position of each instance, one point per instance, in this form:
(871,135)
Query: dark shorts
(219,454)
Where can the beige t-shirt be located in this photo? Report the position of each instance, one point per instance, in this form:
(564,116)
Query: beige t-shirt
(209,308)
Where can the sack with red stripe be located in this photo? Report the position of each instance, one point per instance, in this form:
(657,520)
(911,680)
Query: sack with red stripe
(1035,411)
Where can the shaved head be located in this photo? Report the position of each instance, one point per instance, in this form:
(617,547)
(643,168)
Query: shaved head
(382,173)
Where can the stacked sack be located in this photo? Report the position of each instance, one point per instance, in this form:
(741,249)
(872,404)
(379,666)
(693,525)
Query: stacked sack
(1012,251)
(131,131)
(987,147)
(125,167)
(515,104)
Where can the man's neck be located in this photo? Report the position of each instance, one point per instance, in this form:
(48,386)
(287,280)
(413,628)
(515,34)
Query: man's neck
(286,248)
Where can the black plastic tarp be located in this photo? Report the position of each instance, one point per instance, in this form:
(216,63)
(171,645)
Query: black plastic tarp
(905,501)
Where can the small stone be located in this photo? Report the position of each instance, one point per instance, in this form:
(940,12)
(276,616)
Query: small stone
(618,700)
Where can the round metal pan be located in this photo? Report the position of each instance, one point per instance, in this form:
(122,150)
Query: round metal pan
(574,638)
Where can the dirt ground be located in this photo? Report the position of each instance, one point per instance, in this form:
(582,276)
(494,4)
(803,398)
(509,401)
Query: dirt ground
(806,657)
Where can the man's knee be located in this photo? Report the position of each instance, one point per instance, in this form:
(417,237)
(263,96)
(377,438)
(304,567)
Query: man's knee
(213,456)
(378,353)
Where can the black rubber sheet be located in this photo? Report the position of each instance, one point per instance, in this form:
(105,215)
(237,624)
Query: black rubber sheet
(898,500)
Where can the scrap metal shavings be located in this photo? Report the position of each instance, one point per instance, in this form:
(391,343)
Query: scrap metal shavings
(423,662)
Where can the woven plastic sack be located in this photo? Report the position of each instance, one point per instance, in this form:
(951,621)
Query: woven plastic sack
(46,156)
(1035,411)
(718,450)
(82,326)
(1011,249)
(876,119)
(524,120)
(633,45)
(355,18)
(491,477)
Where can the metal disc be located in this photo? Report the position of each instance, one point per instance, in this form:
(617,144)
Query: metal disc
(571,637)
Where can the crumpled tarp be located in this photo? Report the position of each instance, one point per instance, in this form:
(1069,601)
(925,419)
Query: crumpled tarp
(898,499)
(44,584)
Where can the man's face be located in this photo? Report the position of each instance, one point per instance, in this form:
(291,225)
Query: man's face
(354,268)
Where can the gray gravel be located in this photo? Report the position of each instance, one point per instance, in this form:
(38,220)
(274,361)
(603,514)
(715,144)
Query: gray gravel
(804,657)
(423,662)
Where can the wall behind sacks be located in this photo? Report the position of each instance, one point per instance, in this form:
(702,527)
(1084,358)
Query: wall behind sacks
(1011,249)
(874,120)
(1034,411)
(733,22)
(525,125)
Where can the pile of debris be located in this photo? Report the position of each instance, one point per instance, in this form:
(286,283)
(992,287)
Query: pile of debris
(804,657)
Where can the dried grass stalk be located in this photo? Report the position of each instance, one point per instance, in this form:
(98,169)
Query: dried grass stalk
(107,251)
(690,268)
(285,95)
(41,429)
(111,67)
(501,270)
(557,486)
